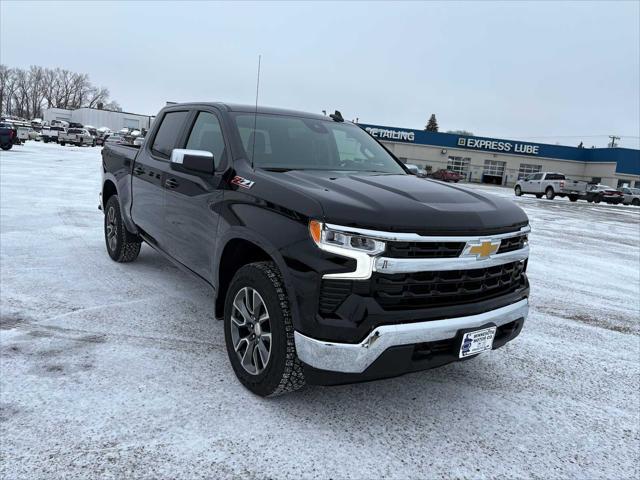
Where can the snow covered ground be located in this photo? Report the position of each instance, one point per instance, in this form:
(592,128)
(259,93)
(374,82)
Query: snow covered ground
(119,371)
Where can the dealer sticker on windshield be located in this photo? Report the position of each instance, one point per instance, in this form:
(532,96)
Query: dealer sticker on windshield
(477,342)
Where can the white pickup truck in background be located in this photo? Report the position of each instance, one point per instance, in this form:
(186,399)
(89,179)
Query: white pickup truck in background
(552,184)
(548,184)
(76,136)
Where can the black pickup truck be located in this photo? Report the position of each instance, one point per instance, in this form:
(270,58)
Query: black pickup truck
(330,262)
(8,136)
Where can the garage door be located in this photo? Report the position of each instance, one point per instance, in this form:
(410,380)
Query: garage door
(493,171)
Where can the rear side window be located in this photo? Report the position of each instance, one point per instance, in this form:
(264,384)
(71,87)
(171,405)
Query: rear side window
(554,176)
(168,132)
(206,134)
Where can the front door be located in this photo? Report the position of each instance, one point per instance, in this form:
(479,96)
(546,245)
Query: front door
(149,177)
(191,199)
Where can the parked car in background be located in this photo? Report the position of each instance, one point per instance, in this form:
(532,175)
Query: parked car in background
(114,137)
(76,136)
(631,196)
(50,133)
(447,175)
(103,133)
(579,190)
(8,136)
(607,194)
(416,170)
(548,184)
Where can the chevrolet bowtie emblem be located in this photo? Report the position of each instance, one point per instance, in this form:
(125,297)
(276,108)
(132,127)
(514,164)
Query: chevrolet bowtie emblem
(482,249)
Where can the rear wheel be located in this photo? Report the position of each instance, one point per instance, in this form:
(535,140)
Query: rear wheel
(635,202)
(549,193)
(518,191)
(62,143)
(122,245)
(573,198)
(259,332)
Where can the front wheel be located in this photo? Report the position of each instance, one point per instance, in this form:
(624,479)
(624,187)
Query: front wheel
(259,332)
(122,245)
(62,144)
(7,146)
(635,202)
(518,191)
(573,198)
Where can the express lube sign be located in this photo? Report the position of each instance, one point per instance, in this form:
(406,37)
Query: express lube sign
(498,146)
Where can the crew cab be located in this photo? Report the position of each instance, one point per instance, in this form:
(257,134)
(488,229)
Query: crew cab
(548,184)
(329,261)
(76,136)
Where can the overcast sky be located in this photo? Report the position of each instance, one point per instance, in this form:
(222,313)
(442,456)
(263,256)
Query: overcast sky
(505,69)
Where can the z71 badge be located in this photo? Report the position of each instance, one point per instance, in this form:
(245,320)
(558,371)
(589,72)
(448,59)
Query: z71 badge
(242,182)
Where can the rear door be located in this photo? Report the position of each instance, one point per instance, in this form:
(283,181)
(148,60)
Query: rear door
(191,198)
(149,174)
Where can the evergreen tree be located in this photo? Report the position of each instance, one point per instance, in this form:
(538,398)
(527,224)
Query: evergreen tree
(432,126)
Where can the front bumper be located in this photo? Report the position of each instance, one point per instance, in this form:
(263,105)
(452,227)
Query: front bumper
(348,358)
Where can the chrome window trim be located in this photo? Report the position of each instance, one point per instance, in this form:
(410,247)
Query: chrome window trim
(356,357)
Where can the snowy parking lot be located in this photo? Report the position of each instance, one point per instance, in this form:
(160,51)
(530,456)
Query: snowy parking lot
(119,370)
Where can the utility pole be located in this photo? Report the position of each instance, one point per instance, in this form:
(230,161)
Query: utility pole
(613,141)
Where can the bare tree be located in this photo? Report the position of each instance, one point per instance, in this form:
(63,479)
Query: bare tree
(26,93)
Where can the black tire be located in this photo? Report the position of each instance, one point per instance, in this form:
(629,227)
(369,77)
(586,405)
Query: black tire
(282,372)
(597,199)
(518,191)
(122,245)
(549,193)
(635,202)
(573,198)
(7,147)
(538,195)
(62,144)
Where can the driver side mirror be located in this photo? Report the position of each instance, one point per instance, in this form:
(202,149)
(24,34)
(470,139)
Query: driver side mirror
(200,161)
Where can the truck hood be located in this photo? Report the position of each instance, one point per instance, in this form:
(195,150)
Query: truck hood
(404,203)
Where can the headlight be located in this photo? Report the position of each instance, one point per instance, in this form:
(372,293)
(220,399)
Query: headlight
(327,237)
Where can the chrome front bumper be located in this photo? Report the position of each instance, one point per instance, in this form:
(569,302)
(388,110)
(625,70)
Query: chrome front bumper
(355,358)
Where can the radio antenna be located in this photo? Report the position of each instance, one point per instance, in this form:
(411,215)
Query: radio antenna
(255,114)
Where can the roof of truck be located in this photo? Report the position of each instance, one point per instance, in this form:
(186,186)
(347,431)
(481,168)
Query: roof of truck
(234,107)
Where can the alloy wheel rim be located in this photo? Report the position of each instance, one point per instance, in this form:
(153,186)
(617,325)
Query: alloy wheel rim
(112,229)
(251,330)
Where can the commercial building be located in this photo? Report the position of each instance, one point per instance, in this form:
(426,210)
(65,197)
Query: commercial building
(99,118)
(503,162)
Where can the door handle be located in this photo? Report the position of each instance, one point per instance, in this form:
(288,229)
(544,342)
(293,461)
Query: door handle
(171,183)
(138,171)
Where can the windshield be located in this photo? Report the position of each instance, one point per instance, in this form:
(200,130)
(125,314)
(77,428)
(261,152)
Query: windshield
(296,143)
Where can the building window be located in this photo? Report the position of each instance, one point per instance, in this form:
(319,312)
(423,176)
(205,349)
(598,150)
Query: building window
(527,169)
(459,165)
(494,168)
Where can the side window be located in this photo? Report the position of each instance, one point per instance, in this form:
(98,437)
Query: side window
(167,136)
(206,134)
